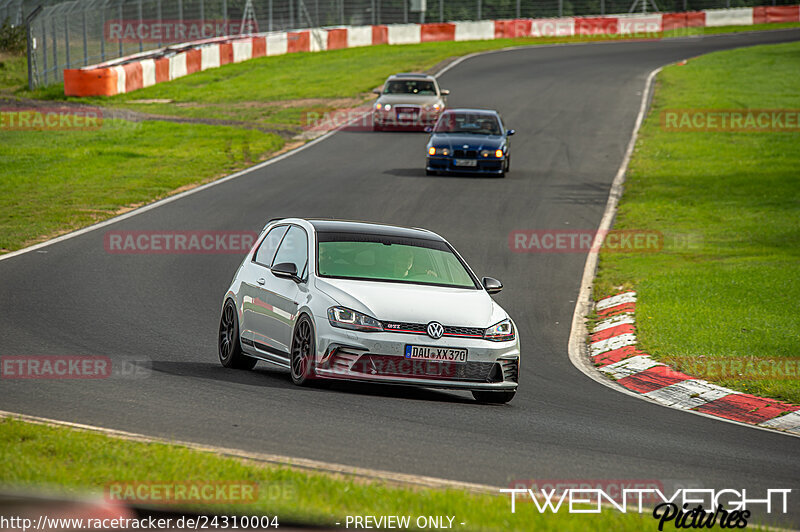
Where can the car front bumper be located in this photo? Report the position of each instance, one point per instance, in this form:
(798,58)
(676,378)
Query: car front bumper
(482,166)
(380,357)
(390,120)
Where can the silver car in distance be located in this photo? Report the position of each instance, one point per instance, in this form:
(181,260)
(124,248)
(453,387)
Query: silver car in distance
(357,301)
(408,101)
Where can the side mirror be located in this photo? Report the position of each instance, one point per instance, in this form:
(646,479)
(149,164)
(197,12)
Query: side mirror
(376,91)
(428,129)
(510,132)
(492,285)
(444,92)
(285,270)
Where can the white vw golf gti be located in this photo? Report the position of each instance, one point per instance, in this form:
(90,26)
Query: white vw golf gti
(332,299)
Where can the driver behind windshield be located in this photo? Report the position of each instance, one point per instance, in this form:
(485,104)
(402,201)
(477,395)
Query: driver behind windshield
(410,87)
(464,123)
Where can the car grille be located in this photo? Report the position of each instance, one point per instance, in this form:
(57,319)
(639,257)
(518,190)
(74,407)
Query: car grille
(510,370)
(389,365)
(409,110)
(466,154)
(419,328)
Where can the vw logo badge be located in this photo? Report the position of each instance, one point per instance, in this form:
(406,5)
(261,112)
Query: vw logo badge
(435,330)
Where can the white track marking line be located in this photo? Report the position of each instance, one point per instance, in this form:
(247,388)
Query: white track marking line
(577,348)
(316,465)
(246,171)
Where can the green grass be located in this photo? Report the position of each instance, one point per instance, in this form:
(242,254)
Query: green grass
(240,91)
(58,181)
(61,180)
(731,293)
(77,463)
(13,71)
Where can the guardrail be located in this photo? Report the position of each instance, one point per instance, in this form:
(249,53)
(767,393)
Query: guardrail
(145,69)
(75,33)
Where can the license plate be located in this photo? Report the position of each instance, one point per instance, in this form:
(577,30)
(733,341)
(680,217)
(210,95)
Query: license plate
(444,354)
(466,162)
(406,116)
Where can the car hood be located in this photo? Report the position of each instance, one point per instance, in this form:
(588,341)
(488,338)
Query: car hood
(410,99)
(473,142)
(413,303)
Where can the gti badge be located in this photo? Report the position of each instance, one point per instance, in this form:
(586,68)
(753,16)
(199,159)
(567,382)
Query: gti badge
(435,330)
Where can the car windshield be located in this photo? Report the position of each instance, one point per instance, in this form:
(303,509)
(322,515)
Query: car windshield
(390,258)
(475,123)
(410,86)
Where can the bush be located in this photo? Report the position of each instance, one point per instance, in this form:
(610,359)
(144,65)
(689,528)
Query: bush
(12,38)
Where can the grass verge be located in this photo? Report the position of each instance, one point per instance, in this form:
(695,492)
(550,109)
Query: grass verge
(280,90)
(76,463)
(57,181)
(724,289)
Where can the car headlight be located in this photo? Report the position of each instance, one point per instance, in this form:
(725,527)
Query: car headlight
(344,318)
(435,107)
(492,153)
(500,332)
(438,151)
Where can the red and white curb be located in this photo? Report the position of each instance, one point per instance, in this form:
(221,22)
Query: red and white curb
(130,73)
(613,351)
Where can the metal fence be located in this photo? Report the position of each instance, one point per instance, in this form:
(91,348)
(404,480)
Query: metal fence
(83,32)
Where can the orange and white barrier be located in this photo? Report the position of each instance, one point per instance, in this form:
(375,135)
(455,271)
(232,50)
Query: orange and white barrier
(145,69)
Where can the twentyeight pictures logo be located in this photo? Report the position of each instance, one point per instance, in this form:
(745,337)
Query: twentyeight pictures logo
(681,508)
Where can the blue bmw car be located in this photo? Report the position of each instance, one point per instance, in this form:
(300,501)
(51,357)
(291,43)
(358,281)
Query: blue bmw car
(469,141)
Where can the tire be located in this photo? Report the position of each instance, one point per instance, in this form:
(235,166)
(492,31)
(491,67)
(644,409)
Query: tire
(301,360)
(493,398)
(229,348)
(429,172)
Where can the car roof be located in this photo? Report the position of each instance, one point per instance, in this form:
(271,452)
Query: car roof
(475,111)
(350,226)
(411,75)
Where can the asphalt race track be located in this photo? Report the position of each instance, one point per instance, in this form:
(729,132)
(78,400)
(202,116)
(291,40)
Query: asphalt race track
(573,108)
